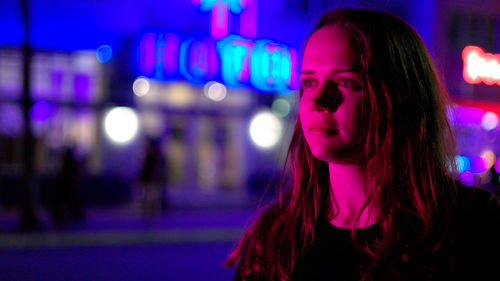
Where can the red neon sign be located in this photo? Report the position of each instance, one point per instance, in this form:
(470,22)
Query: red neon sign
(480,66)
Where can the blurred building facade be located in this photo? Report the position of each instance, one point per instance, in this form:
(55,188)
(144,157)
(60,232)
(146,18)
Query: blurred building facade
(194,75)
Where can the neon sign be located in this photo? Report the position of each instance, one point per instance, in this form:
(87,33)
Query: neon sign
(220,16)
(480,66)
(236,60)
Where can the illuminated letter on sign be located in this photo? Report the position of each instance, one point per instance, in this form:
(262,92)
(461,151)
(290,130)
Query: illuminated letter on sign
(273,66)
(236,55)
(236,60)
(480,66)
(198,59)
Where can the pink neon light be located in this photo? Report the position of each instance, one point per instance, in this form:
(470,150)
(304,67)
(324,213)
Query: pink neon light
(147,54)
(244,74)
(248,19)
(246,3)
(497,165)
(171,54)
(220,19)
(480,66)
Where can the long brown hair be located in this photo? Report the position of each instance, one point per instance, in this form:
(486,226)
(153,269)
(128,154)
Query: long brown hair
(409,148)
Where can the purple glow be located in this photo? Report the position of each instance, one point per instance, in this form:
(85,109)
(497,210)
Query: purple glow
(497,165)
(171,55)
(248,19)
(196,2)
(147,54)
(11,119)
(81,87)
(57,83)
(220,19)
(467,178)
(40,111)
(478,164)
(468,115)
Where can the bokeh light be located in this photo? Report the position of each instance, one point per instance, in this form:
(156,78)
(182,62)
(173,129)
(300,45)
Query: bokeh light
(104,53)
(141,86)
(463,163)
(179,94)
(215,91)
(265,129)
(489,156)
(467,178)
(121,124)
(281,107)
(497,165)
(489,121)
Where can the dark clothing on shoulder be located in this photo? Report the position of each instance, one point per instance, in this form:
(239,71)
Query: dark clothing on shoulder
(333,255)
(473,253)
(476,251)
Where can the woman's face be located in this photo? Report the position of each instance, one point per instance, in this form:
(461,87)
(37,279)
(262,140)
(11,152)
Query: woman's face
(332,95)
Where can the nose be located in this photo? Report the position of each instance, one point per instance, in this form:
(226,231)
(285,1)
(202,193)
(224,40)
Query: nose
(328,98)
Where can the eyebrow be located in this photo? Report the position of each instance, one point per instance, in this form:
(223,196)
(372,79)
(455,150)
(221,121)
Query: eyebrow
(333,71)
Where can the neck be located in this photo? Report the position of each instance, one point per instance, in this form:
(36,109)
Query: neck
(348,195)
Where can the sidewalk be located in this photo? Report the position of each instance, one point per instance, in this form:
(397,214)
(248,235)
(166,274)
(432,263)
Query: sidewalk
(120,243)
(127,224)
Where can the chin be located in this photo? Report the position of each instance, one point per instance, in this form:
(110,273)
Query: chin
(340,155)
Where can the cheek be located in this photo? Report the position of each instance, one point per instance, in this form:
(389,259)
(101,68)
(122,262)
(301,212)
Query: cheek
(303,113)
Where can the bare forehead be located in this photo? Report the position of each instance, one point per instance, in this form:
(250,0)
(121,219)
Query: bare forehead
(330,45)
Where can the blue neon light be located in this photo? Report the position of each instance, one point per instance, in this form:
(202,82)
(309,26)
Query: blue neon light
(104,53)
(235,60)
(271,66)
(198,59)
(236,55)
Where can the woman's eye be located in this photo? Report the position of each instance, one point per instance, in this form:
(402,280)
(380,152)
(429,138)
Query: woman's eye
(307,83)
(350,84)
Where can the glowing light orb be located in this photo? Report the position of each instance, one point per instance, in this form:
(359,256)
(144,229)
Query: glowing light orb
(480,66)
(489,156)
(463,163)
(265,129)
(104,53)
(121,124)
(281,107)
(141,86)
(489,121)
(215,91)
(497,165)
(467,178)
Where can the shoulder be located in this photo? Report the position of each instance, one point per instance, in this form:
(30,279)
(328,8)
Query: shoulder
(267,218)
(477,204)
(476,232)
(257,242)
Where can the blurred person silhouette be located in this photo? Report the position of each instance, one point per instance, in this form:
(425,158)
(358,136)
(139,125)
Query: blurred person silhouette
(373,194)
(153,178)
(68,202)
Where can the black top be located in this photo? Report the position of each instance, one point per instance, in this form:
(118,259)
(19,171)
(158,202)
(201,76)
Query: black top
(472,255)
(333,255)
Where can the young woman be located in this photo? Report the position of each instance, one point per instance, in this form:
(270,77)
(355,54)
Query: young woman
(373,195)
